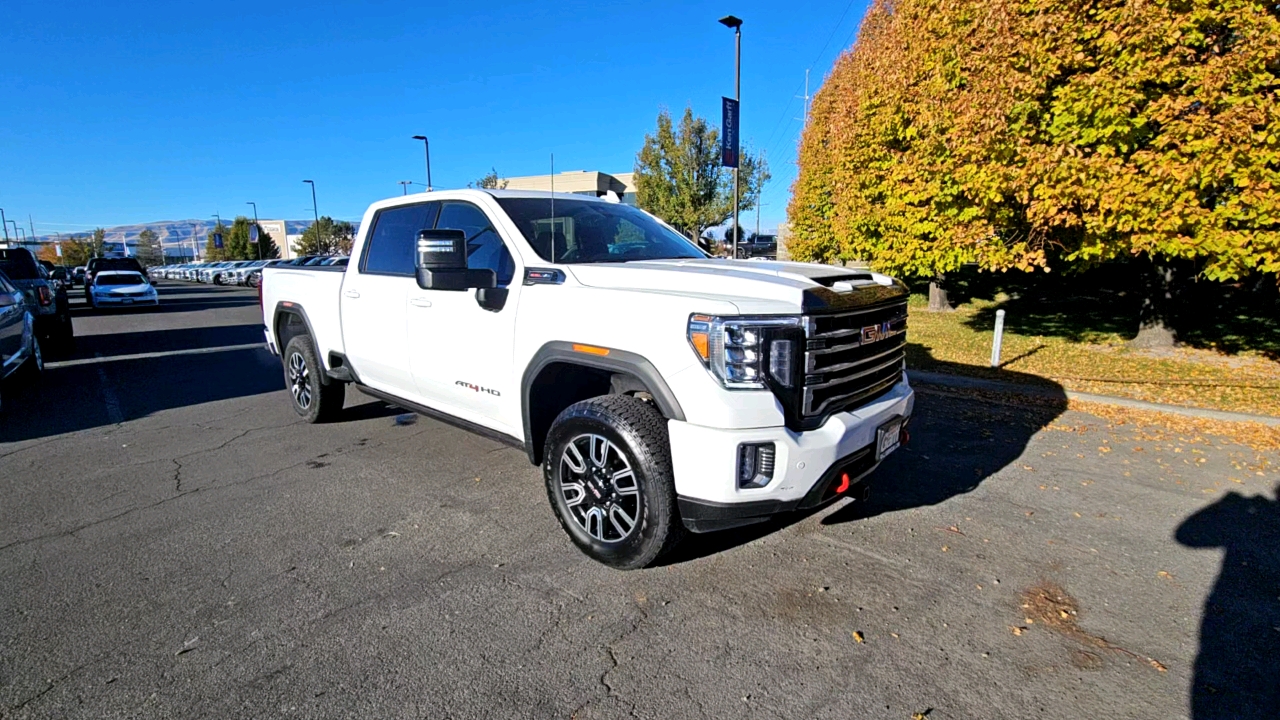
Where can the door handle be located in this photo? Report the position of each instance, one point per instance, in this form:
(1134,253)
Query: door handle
(420,302)
(352,294)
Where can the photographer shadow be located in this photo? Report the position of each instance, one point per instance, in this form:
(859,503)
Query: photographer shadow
(1237,671)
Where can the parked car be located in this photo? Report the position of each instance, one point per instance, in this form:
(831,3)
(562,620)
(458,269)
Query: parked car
(658,389)
(19,343)
(121,288)
(47,301)
(758,246)
(97,265)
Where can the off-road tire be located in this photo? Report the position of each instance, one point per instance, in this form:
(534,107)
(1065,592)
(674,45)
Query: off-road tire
(639,432)
(303,374)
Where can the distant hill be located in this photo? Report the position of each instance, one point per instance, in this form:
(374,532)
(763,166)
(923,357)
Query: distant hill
(176,234)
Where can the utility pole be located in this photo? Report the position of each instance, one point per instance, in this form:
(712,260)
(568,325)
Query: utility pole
(426,148)
(31,223)
(730,21)
(805,119)
(257,230)
(315,211)
(404,186)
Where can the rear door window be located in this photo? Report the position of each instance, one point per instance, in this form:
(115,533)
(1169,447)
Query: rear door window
(390,247)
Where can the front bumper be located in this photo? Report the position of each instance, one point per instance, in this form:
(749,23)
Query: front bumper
(101,300)
(806,467)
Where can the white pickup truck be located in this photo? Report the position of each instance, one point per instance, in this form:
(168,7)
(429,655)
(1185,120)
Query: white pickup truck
(659,389)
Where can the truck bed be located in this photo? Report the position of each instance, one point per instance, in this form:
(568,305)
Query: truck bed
(314,292)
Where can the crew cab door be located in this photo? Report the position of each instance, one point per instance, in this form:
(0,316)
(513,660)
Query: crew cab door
(13,314)
(461,352)
(375,296)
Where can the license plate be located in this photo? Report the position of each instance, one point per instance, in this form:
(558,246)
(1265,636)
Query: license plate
(888,438)
(128,301)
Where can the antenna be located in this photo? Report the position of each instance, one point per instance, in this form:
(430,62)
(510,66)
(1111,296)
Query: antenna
(553,207)
(806,97)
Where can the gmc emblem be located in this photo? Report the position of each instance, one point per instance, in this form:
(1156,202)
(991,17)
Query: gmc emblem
(875,333)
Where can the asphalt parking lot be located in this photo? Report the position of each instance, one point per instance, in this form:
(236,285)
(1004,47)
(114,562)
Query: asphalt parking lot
(174,542)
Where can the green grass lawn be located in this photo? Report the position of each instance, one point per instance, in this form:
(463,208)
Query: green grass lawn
(1082,347)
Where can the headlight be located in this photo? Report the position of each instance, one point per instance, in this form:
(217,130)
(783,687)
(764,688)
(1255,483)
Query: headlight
(740,351)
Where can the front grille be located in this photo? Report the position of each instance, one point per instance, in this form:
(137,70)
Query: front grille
(852,357)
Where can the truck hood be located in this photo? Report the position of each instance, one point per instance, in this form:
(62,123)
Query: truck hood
(753,286)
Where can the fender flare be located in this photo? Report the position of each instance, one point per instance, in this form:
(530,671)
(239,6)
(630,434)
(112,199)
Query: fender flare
(282,309)
(617,361)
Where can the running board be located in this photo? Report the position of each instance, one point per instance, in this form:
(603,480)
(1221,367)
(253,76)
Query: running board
(446,418)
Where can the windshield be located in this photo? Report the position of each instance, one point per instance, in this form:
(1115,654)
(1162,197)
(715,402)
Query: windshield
(582,231)
(120,279)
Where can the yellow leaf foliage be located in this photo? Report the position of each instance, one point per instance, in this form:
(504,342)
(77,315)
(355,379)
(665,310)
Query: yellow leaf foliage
(1016,133)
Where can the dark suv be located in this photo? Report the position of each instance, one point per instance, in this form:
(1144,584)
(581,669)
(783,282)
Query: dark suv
(46,299)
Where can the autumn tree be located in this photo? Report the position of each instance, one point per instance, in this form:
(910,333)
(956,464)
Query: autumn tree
(76,251)
(1039,134)
(679,178)
(326,237)
(148,249)
(213,253)
(489,180)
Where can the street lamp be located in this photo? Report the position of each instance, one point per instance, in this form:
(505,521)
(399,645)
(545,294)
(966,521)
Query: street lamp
(256,229)
(5,222)
(404,185)
(426,148)
(730,21)
(315,212)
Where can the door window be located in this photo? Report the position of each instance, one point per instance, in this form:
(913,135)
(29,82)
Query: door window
(485,248)
(390,247)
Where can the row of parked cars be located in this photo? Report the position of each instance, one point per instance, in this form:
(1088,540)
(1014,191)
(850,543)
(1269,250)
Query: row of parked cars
(238,272)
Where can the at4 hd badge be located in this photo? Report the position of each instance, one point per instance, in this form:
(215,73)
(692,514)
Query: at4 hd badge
(477,388)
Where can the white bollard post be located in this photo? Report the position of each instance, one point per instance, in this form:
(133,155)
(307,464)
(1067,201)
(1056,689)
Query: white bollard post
(995,342)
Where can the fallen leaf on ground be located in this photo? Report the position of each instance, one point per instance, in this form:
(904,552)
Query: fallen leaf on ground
(857,637)
(1018,630)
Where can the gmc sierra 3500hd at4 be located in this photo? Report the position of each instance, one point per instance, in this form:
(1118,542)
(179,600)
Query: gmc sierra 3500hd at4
(659,389)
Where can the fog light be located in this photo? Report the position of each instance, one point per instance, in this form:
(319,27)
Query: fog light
(755,464)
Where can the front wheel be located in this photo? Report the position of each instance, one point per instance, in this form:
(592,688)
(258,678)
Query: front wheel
(33,367)
(312,399)
(607,465)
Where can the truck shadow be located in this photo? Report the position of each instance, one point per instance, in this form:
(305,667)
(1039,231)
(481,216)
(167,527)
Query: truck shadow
(1237,671)
(959,438)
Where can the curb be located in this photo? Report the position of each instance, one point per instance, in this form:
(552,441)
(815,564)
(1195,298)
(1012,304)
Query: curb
(959,381)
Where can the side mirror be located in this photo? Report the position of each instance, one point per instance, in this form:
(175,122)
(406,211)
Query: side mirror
(9,299)
(441,263)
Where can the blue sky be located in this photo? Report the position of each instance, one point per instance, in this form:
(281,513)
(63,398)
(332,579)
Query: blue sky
(132,112)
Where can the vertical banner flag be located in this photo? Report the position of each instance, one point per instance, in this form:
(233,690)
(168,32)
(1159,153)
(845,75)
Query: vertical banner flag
(729,133)
(253,233)
(58,249)
(217,240)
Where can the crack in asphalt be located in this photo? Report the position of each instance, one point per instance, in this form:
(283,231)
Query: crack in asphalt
(170,499)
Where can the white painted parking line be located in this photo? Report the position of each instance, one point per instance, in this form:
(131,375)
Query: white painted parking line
(98,359)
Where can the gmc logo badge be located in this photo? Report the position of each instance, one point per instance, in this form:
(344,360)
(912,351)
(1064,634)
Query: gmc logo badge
(875,333)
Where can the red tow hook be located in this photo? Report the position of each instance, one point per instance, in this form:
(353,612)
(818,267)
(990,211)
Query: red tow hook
(844,484)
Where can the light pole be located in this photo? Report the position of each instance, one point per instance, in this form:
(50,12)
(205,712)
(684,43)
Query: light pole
(15,229)
(426,148)
(256,229)
(730,21)
(315,211)
(404,185)
(5,221)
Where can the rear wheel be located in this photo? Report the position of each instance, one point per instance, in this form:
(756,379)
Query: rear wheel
(303,374)
(608,474)
(33,367)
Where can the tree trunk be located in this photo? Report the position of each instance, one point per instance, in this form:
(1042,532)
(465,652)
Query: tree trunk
(1154,330)
(938,301)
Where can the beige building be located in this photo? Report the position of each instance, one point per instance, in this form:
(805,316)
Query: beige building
(579,182)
